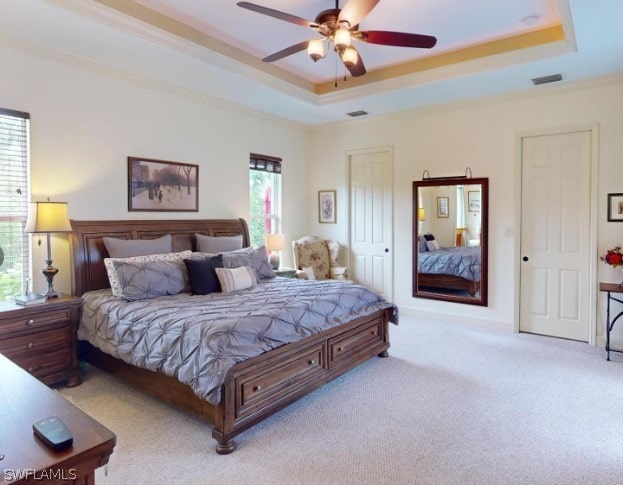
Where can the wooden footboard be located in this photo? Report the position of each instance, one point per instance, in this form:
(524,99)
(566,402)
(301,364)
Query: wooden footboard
(259,387)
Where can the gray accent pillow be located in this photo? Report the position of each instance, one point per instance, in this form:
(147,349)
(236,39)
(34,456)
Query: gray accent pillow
(140,280)
(218,244)
(422,244)
(125,248)
(257,259)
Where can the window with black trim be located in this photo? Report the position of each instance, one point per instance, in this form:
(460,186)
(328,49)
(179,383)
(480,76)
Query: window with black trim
(15,250)
(264,197)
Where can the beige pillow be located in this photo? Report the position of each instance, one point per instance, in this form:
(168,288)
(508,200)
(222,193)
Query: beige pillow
(236,279)
(127,248)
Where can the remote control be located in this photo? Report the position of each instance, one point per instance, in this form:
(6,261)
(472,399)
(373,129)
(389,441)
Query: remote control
(53,433)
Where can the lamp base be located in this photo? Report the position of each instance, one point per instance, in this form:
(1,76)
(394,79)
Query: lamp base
(274,261)
(50,272)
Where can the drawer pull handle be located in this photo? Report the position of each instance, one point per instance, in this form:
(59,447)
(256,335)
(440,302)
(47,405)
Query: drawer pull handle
(312,362)
(30,322)
(373,332)
(30,345)
(257,388)
(32,369)
(339,349)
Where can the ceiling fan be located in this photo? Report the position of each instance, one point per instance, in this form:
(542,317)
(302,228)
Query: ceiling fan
(339,27)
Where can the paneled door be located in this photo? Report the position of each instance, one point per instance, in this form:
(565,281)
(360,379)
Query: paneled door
(555,235)
(371,219)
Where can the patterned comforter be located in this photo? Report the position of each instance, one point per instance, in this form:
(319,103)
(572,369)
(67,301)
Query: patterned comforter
(461,261)
(198,338)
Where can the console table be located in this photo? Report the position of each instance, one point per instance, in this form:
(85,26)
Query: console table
(23,457)
(615,293)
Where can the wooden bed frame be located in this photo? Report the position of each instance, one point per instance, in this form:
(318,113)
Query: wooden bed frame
(449,282)
(254,389)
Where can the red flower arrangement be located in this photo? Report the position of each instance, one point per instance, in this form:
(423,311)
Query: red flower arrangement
(614,256)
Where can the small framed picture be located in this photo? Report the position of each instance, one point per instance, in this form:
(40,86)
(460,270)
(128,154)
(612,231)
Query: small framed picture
(473,201)
(615,207)
(158,185)
(326,206)
(443,207)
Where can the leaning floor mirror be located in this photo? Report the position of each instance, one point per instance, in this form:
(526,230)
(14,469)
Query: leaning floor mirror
(450,227)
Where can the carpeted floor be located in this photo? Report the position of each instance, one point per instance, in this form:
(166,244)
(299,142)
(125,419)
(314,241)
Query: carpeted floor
(451,405)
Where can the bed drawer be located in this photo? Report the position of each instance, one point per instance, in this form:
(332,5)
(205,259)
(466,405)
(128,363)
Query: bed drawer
(278,380)
(342,348)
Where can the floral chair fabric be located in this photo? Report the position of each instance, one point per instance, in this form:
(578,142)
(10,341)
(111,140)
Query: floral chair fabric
(320,255)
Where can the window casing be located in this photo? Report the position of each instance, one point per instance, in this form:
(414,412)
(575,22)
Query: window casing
(264,197)
(15,251)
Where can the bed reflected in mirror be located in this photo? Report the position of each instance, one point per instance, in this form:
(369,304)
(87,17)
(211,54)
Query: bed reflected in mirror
(450,226)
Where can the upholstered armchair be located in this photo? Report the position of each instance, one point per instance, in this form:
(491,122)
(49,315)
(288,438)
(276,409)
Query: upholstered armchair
(318,257)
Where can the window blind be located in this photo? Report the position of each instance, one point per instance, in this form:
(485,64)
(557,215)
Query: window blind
(264,163)
(14,195)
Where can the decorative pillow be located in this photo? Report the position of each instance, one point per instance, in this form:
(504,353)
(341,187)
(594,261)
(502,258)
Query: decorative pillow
(202,274)
(309,271)
(115,285)
(236,279)
(149,279)
(126,248)
(429,237)
(218,244)
(422,244)
(257,259)
(432,245)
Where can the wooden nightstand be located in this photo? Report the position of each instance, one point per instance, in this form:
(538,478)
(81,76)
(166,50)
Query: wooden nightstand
(42,339)
(285,272)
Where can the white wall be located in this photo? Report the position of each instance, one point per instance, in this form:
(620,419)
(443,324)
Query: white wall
(482,135)
(85,123)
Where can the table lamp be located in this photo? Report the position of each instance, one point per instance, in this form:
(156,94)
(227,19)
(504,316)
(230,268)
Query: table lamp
(275,243)
(48,217)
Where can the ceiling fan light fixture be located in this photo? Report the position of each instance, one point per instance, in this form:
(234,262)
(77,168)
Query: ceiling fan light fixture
(315,49)
(350,57)
(341,39)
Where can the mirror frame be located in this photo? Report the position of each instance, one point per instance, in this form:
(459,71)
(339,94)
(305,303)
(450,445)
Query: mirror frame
(484,241)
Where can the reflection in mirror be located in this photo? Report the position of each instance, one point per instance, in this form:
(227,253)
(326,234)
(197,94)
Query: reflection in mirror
(450,226)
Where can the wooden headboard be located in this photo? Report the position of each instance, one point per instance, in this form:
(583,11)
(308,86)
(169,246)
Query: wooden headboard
(88,250)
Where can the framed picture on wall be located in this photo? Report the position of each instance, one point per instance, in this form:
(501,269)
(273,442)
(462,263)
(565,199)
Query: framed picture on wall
(615,207)
(157,185)
(473,201)
(326,206)
(443,207)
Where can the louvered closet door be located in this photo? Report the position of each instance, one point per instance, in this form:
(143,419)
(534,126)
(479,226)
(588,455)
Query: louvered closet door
(555,223)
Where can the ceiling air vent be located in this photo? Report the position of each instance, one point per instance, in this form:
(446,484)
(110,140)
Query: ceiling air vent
(547,79)
(357,113)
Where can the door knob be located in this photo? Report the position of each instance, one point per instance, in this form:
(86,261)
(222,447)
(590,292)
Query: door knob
(525,258)
(387,250)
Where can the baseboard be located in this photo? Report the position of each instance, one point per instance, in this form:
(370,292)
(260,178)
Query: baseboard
(459,318)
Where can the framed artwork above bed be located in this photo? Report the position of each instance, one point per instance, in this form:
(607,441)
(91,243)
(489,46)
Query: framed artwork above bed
(162,186)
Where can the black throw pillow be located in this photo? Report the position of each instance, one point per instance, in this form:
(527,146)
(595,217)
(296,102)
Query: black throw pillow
(203,279)
(429,237)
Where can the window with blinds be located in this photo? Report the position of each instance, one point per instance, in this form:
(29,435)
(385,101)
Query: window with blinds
(14,195)
(264,197)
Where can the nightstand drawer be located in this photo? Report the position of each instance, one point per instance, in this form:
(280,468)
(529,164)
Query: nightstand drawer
(35,344)
(42,365)
(33,320)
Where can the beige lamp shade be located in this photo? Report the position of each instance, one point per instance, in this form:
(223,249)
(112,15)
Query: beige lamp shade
(48,217)
(275,242)
(421,215)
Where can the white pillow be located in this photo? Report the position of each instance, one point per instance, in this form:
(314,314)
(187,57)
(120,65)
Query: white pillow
(113,277)
(309,271)
(432,245)
(236,279)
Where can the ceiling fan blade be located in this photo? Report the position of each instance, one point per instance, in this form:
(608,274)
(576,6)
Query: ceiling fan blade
(277,14)
(357,69)
(293,49)
(355,10)
(400,39)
